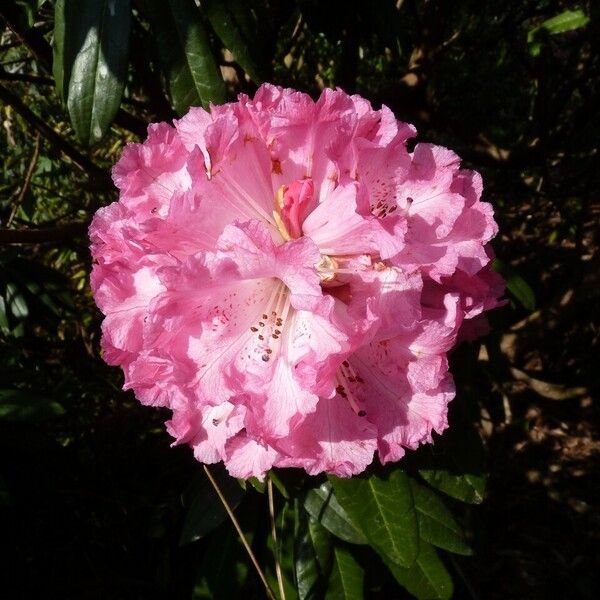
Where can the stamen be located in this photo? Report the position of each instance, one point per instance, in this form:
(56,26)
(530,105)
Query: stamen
(345,376)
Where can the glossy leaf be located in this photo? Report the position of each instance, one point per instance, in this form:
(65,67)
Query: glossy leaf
(436,522)
(193,75)
(24,406)
(205,510)
(225,24)
(384,510)
(312,557)
(321,503)
(427,578)
(90,62)
(517,286)
(346,581)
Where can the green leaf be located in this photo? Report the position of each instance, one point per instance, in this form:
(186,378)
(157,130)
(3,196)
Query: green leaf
(312,557)
(193,75)
(224,567)
(321,503)
(383,509)
(456,465)
(283,552)
(92,46)
(257,484)
(225,24)
(58,51)
(569,20)
(23,406)
(205,510)
(517,286)
(436,523)
(346,581)
(427,578)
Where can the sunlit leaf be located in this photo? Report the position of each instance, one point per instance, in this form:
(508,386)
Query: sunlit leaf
(321,503)
(383,509)
(91,48)
(569,20)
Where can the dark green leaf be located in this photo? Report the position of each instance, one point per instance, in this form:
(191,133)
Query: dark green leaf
(427,578)
(193,75)
(436,523)
(224,567)
(465,487)
(323,506)
(21,405)
(457,465)
(346,581)
(312,557)
(384,510)
(518,287)
(230,32)
(60,70)
(205,510)
(94,35)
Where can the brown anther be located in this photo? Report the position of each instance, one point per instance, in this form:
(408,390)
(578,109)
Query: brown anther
(254,329)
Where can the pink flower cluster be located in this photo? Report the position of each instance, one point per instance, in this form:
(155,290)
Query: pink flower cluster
(288,279)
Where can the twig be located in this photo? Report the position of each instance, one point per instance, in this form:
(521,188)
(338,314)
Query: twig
(223,500)
(43,235)
(26,181)
(274,536)
(54,138)
(6,76)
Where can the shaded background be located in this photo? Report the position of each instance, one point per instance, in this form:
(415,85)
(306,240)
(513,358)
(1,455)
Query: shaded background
(92,499)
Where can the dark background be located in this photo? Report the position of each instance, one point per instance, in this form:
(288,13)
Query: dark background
(93,499)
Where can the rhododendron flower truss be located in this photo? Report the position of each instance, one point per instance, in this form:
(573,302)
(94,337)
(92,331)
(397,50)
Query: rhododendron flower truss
(288,279)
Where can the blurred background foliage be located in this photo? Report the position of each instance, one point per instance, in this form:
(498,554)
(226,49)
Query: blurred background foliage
(94,503)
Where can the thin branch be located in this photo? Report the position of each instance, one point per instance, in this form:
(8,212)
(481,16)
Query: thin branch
(229,511)
(274,536)
(26,181)
(6,76)
(84,163)
(43,235)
